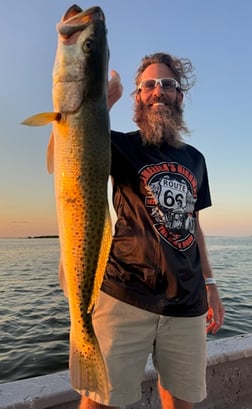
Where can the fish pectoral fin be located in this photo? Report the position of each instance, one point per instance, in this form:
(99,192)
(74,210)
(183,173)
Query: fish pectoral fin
(50,155)
(102,260)
(62,279)
(41,119)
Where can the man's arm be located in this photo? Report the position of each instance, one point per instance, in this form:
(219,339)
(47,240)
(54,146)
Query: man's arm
(213,297)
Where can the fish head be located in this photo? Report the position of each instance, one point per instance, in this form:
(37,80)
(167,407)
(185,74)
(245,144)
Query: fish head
(81,64)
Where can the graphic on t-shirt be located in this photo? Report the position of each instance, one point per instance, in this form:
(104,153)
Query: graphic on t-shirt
(171,195)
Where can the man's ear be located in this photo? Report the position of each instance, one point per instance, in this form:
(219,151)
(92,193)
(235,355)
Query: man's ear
(180,97)
(137,96)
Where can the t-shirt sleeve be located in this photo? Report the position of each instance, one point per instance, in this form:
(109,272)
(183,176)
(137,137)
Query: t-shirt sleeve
(204,196)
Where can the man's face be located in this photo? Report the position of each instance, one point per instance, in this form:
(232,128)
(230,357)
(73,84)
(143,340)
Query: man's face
(159,96)
(158,111)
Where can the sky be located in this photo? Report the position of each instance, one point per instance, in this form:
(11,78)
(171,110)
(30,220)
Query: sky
(215,35)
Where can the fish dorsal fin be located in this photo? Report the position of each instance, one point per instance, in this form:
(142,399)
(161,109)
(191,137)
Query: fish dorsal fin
(41,119)
(50,154)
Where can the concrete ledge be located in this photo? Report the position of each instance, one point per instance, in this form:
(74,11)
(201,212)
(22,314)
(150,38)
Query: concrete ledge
(42,392)
(229,349)
(228,378)
(229,374)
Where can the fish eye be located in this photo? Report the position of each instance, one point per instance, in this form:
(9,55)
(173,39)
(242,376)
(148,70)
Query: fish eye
(88,46)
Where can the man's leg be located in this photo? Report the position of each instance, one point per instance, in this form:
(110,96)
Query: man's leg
(180,358)
(167,401)
(125,343)
(170,402)
(87,403)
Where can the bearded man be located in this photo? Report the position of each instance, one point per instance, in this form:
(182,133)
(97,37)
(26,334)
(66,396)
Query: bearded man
(158,284)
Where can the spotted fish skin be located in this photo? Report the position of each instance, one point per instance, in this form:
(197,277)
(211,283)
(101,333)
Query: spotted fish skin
(79,155)
(81,167)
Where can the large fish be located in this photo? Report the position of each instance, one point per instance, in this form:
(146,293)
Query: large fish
(79,156)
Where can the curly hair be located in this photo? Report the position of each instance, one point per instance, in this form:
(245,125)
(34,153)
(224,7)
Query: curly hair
(181,68)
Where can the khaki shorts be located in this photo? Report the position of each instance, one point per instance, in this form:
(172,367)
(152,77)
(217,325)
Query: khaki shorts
(127,335)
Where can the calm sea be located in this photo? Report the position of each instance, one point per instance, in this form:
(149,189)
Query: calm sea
(34,319)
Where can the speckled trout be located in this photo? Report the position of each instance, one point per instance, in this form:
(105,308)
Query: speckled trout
(79,155)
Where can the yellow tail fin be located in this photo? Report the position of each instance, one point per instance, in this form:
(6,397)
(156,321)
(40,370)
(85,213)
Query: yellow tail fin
(87,368)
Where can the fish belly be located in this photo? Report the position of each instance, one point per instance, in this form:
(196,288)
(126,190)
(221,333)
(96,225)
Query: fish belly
(82,165)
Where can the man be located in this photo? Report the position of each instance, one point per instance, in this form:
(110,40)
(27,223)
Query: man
(154,297)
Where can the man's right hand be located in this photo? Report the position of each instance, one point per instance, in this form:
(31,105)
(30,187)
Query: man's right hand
(115,89)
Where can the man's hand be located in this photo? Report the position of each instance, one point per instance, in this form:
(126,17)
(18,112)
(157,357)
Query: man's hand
(115,89)
(215,315)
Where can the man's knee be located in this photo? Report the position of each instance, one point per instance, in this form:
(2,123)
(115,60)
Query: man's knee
(169,401)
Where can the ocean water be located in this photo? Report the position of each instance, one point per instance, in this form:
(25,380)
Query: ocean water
(34,318)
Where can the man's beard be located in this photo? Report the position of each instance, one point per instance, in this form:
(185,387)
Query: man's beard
(160,125)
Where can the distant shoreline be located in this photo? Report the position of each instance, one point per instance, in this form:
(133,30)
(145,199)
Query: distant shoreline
(54,236)
(42,237)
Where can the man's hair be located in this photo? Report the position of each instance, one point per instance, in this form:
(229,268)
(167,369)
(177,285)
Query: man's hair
(182,69)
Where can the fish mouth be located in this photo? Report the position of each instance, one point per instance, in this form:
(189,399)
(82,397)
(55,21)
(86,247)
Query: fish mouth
(75,19)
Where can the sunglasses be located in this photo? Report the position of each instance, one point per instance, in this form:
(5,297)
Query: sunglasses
(168,84)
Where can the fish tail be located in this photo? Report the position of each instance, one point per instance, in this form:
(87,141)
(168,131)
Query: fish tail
(87,369)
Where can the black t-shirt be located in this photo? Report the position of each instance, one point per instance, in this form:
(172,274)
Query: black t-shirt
(154,261)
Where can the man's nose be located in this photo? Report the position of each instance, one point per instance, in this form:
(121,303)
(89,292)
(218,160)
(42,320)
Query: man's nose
(158,90)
